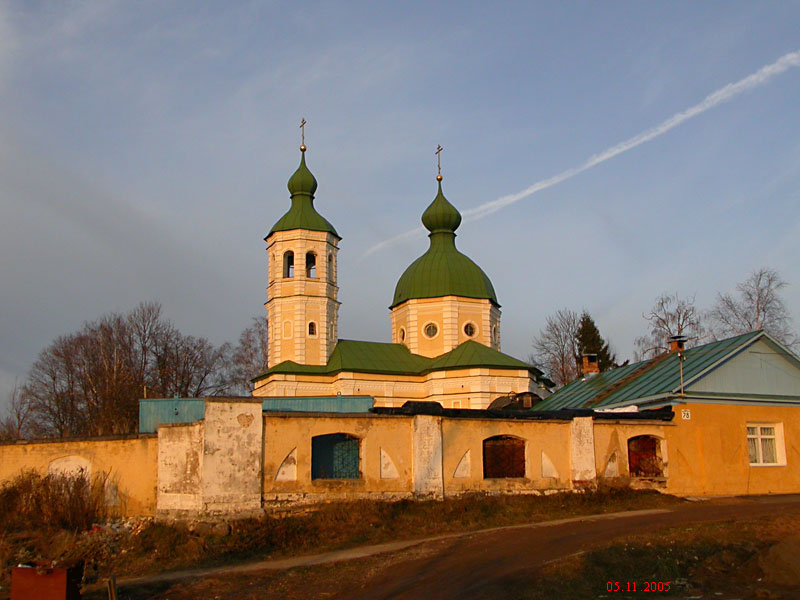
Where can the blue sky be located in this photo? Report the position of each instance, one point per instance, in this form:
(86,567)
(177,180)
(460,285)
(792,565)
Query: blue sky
(145,149)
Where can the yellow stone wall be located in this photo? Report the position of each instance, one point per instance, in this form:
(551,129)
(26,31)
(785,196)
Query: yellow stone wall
(287,438)
(705,454)
(131,466)
(460,436)
(611,444)
(450,314)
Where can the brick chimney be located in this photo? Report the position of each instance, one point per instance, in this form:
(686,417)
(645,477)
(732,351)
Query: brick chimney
(590,365)
(677,343)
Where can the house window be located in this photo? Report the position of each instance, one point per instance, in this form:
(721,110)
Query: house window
(330,267)
(288,264)
(644,456)
(469,330)
(503,457)
(402,335)
(335,456)
(765,444)
(311,265)
(312,328)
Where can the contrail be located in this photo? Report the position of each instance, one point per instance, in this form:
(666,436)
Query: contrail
(759,78)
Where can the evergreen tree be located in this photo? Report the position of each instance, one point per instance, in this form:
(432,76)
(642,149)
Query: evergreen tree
(591,342)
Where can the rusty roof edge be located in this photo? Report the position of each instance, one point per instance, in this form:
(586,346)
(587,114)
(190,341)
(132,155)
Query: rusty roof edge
(630,377)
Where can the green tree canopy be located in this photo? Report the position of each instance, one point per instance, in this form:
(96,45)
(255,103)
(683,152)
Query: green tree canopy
(591,342)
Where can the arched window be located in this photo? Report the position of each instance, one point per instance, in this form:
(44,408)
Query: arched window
(335,456)
(311,264)
(503,456)
(330,267)
(644,456)
(312,328)
(288,264)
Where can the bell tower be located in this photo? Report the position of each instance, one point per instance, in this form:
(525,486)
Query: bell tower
(302,247)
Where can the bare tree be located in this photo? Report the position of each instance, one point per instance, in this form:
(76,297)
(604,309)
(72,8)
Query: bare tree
(671,315)
(90,382)
(250,356)
(15,425)
(556,348)
(757,306)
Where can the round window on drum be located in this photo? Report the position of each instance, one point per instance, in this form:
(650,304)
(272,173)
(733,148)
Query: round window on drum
(430,330)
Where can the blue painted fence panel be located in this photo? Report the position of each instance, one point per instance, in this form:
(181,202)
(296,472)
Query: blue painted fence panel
(156,411)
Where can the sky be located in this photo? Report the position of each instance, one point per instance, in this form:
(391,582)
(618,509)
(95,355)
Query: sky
(602,153)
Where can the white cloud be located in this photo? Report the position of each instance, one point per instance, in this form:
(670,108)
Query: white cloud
(728,92)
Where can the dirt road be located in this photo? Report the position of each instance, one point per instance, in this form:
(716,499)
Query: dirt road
(475,565)
(478,566)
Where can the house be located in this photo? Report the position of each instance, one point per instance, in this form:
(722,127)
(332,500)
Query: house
(737,426)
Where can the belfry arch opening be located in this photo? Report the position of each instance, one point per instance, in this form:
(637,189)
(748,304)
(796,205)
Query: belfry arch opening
(311,265)
(288,264)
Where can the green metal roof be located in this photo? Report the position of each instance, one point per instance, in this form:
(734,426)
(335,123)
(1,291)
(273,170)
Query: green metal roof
(657,377)
(396,359)
(442,270)
(302,214)
(473,354)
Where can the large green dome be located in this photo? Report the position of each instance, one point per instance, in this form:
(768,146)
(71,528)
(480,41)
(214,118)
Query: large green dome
(302,214)
(442,270)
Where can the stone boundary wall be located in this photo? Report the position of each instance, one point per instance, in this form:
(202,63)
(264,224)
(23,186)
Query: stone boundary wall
(239,460)
(130,462)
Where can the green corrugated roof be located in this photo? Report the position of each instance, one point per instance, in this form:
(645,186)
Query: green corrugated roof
(442,270)
(395,359)
(302,214)
(659,376)
(473,354)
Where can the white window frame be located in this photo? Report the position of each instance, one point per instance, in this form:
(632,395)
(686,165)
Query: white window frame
(780,447)
(425,333)
(474,330)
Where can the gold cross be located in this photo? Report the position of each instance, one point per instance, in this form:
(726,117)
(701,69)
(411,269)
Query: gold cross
(303,131)
(439,159)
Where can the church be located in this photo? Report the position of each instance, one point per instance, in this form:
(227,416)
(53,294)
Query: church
(445,319)
(440,411)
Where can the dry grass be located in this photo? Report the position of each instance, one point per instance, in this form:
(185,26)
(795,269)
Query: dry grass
(346,524)
(34,501)
(54,514)
(42,516)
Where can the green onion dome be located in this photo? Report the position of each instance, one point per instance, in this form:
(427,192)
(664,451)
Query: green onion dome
(442,270)
(302,214)
(303,180)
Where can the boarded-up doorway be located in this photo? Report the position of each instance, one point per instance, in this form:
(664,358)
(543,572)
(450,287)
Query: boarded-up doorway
(644,456)
(503,456)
